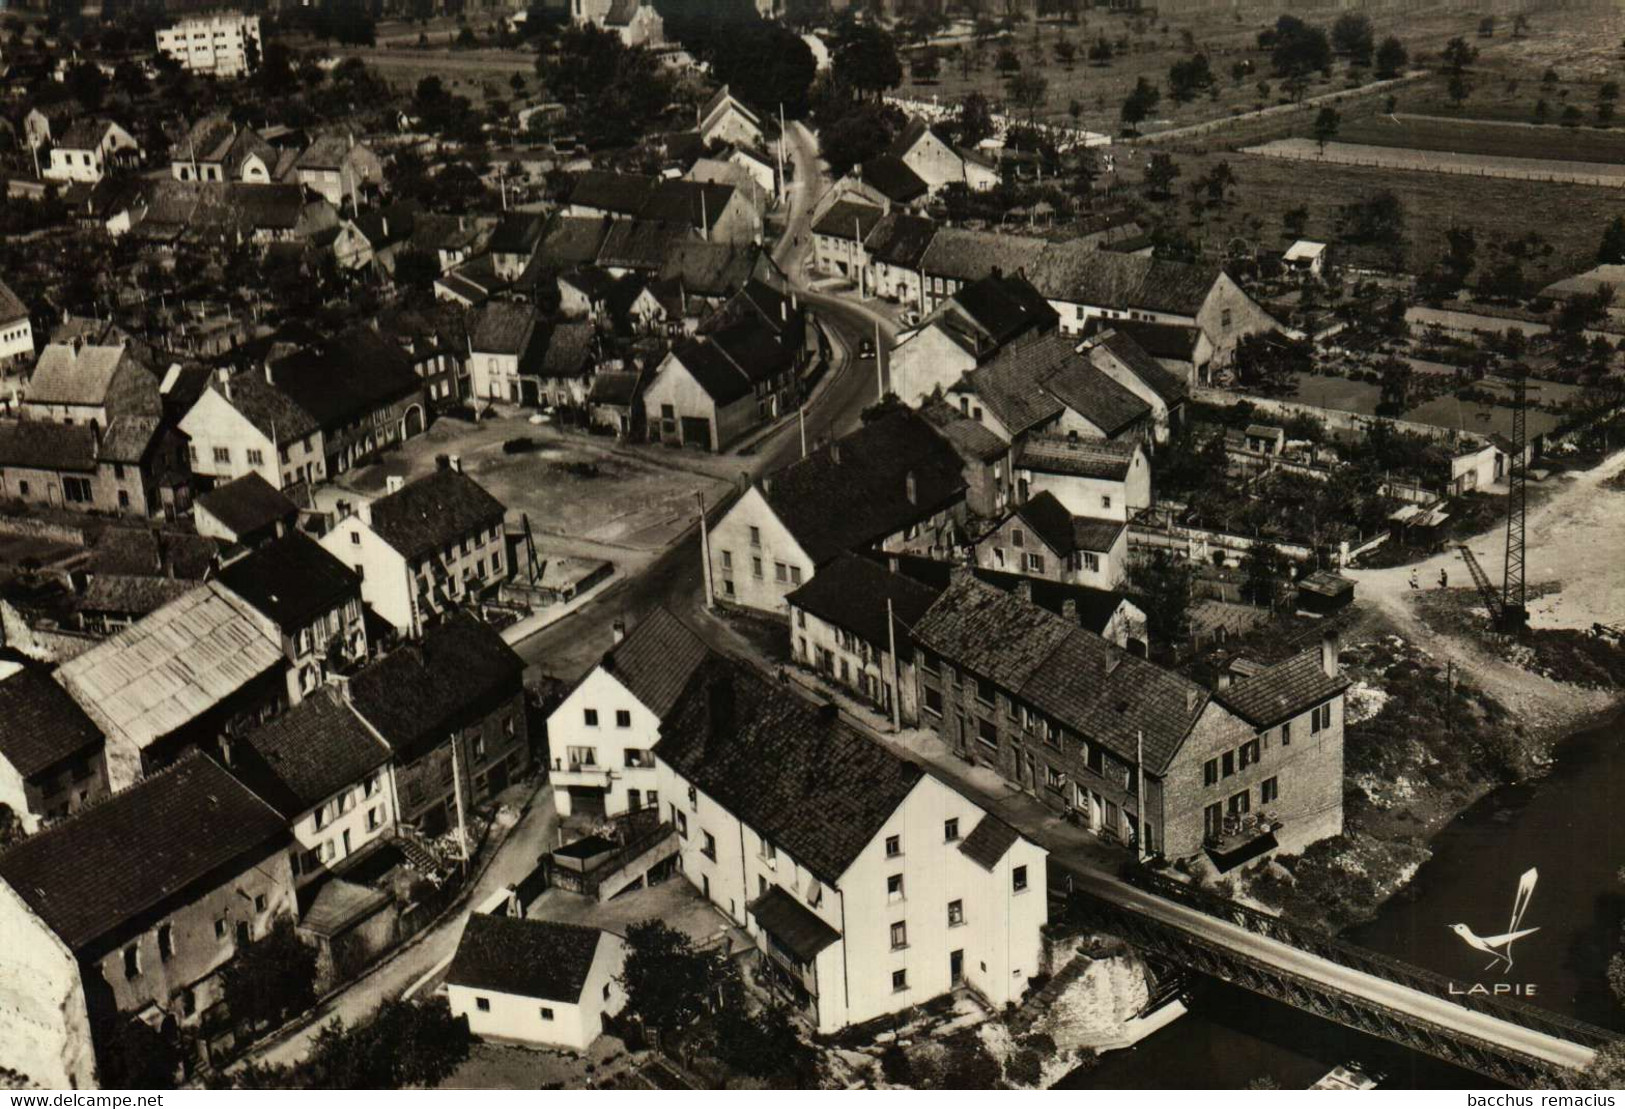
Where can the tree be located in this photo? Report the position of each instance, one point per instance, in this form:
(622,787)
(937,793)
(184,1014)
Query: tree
(405,1044)
(1239,72)
(1263,567)
(1294,221)
(1542,111)
(1612,249)
(1162,587)
(1459,88)
(1160,172)
(1326,124)
(1029,91)
(865,59)
(925,66)
(1461,251)
(1572,116)
(1392,58)
(1141,101)
(765,1045)
(11,826)
(1459,54)
(1066,52)
(1375,219)
(1267,363)
(1352,37)
(1300,48)
(1605,112)
(668,983)
(132,1055)
(975,121)
(1486,27)
(767,63)
(1520,25)
(1101,51)
(1189,76)
(270,979)
(1296,87)
(1006,62)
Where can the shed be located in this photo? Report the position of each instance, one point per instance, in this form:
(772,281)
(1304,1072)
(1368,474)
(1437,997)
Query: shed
(1324,593)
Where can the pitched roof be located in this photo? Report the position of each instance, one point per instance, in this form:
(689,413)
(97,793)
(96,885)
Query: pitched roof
(900,239)
(1095,607)
(1091,687)
(1172,388)
(350,376)
(893,178)
(1100,536)
(709,269)
(1094,458)
(1049,519)
(797,928)
(128,438)
(846,218)
(966,255)
(37,444)
(505,327)
(434,511)
(64,375)
(293,580)
(1004,306)
(856,491)
(728,364)
(168,669)
(85,133)
(269,409)
(517,233)
(247,504)
(12,308)
(683,203)
(972,439)
(130,594)
(802,778)
(615,387)
(656,659)
(640,244)
(722,99)
(542,959)
(1173,341)
(1033,379)
(1284,690)
(568,349)
(618,193)
(988,841)
(1112,280)
(851,593)
(166,840)
(571,241)
(325,152)
(309,753)
(40,725)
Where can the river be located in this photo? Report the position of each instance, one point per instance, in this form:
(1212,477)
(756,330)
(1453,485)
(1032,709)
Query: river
(1567,826)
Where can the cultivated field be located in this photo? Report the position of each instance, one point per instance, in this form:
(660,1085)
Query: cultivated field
(1501,140)
(1438,161)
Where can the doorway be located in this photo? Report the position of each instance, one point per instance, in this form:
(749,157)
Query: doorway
(956,968)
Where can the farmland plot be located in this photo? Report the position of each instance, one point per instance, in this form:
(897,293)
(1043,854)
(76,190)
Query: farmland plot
(1440,161)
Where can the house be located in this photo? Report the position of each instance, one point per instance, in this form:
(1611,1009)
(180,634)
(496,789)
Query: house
(247,511)
(633,21)
(204,667)
(602,193)
(452,709)
(216,149)
(719,213)
(960,256)
(1041,538)
(984,456)
(375,237)
(965,330)
(1306,258)
(705,275)
(868,885)
(1090,478)
(513,243)
(423,548)
(51,760)
(850,624)
(472,284)
(222,44)
(839,236)
(313,599)
(725,119)
(89,149)
(1083,283)
(435,341)
(564,375)
(1324,592)
(327,773)
(566,242)
(1181,349)
(137,468)
(711,391)
(602,736)
(339,170)
(75,383)
(585,292)
(537,982)
(895,246)
(128,910)
(44,120)
(615,401)
(110,602)
(1142,755)
(895,484)
(241,424)
(1121,358)
(891,178)
(16,329)
(1266,439)
(505,347)
(939,163)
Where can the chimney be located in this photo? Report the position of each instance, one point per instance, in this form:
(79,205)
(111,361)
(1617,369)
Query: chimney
(835,451)
(618,629)
(1069,609)
(829,712)
(719,706)
(384,221)
(1024,590)
(1191,696)
(1329,653)
(1225,678)
(270,374)
(442,461)
(394,483)
(456,462)
(893,565)
(767,484)
(910,488)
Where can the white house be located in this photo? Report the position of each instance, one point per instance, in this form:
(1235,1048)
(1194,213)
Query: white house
(938,163)
(1101,480)
(1306,257)
(16,329)
(869,886)
(88,149)
(602,735)
(226,44)
(242,424)
(536,982)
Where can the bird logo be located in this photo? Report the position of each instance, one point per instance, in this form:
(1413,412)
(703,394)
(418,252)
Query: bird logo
(1499,948)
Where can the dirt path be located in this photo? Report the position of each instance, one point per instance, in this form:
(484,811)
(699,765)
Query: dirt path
(1574,539)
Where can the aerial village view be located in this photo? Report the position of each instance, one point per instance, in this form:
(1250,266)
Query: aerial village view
(689,545)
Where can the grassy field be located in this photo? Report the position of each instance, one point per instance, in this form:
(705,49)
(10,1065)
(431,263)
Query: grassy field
(1494,139)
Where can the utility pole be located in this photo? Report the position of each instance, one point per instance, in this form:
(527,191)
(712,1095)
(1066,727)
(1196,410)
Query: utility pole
(1139,770)
(801,419)
(457,794)
(857,253)
(880,377)
(782,188)
(896,684)
(705,551)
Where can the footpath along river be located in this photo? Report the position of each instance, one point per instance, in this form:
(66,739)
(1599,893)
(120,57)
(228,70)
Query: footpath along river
(1567,827)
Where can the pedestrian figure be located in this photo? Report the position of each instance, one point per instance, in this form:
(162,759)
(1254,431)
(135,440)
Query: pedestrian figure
(1444,578)
(1414,584)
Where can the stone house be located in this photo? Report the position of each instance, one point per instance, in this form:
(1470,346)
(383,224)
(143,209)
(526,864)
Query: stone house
(1041,538)
(51,753)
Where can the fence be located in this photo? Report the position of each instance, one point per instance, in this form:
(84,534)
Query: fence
(1425,161)
(1063,137)
(29,528)
(1274,111)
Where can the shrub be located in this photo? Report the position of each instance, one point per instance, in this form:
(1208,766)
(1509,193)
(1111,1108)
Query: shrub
(521,445)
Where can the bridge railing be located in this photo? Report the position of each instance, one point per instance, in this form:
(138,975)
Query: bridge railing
(1354,957)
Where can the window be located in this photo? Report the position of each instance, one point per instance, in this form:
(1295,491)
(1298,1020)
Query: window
(256,457)
(1229,762)
(590,717)
(1268,790)
(623,719)
(956,913)
(984,691)
(894,846)
(755,537)
(781,572)
(756,568)
(1089,561)
(1241,803)
(1018,538)
(899,935)
(1213,820)
(547,1014)
(894,888)
(132,962)
(1286,734)
(1054,778)
(76,490)
(795,575)
(899,980)
(950,829)
(727,560)
(1210,772)
(1035,563)
(483,1004)
(220,928)
(987,732)
(166,942)
(260,903)
(222,454)
(1018,879)
(1249,753)
(933,701)
(1224,319)
(710,848)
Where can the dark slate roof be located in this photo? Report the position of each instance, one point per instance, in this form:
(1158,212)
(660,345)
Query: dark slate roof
(966,255)
(504,327)
(656,659)
(293,581)
(247,504)
(594,282)
(1168,385)
(517,233)
(1095,535)
(308,754)
(418,693)
(893,177)
(1033,379)
(640,244)
(84,133)
(571,241)
(1048,519)
(713,370)
(40,724)
(802,778)
(1095,607)
(130,594)
(434,511)
(709,269)
(1005,306)
(1093,458)
(1091,687)
(844,215)
(688,204)
(268,408)
(349,377)
(988,841)
(728,364)
(1283,691)
(166,840)
(128,438)
(541,959)
(1173,341)
(623,194)
(1112,280)
(900,239)
(12,307)
(797,928)
(851,593)
(615,387)
(832,505)
(36,444)
(569,348)
(972,439)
